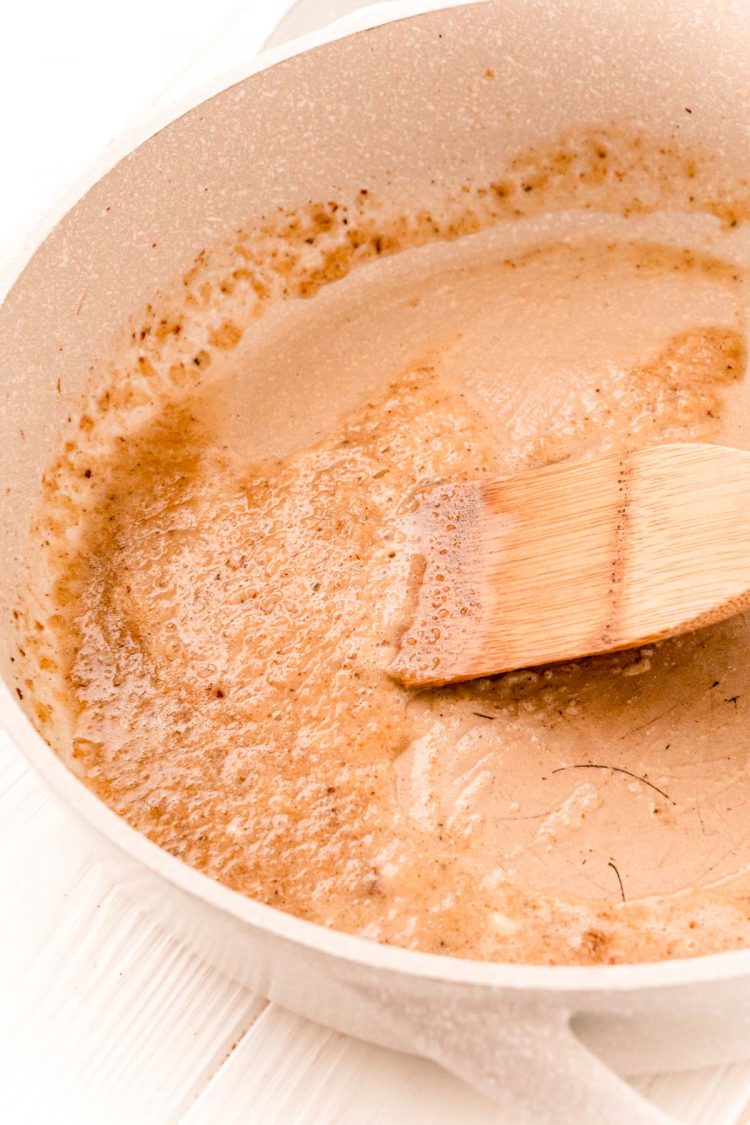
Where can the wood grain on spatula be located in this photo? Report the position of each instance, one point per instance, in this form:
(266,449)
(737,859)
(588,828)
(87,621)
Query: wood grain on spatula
(576,559)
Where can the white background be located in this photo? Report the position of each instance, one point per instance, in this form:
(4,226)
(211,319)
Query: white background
(103,1018)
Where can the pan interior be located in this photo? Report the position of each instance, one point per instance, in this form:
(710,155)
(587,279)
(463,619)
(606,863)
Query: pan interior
(228,590)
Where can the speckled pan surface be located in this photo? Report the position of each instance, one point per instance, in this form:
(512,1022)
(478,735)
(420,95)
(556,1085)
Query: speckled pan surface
(393,110)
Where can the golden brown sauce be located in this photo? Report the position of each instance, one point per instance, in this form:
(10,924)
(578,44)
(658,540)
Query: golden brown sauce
(222,581)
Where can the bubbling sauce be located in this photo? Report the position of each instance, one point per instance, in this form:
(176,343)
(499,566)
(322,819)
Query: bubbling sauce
(218,630)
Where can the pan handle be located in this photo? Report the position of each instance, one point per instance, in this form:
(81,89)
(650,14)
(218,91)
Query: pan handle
(534,1066)
(305,16)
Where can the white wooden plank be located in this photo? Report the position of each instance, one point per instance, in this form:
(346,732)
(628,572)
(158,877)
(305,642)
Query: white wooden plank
(710,1096)
(122,1022)
(287,1071)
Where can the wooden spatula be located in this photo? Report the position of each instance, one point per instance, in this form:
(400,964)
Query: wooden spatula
(580,558)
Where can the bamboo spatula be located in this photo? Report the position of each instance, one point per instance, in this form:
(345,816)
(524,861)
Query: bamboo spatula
(576,559)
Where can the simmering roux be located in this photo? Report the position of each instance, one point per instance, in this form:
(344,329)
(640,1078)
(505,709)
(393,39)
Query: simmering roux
(218,633)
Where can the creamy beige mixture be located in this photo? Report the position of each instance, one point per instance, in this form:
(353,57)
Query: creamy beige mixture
(218,631)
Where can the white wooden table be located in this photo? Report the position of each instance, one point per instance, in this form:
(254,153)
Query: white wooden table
(103,1017)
